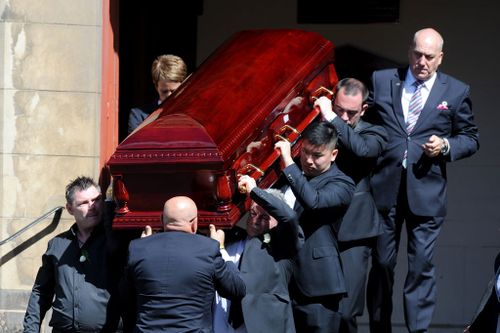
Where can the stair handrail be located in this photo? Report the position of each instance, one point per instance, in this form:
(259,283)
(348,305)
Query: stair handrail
(32,224)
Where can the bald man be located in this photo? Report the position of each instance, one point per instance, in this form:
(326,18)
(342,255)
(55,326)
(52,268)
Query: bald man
(428,117)
(172,276)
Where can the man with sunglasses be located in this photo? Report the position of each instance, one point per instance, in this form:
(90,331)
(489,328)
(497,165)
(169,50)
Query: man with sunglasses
(360,143)
(172,276)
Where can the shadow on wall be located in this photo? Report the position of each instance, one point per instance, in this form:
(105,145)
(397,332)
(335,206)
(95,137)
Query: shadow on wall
(33,239)
(351,61)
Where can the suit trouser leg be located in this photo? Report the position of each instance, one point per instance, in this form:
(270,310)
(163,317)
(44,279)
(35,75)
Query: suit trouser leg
(420,284)
(354,256)
(316,314)
(381,276)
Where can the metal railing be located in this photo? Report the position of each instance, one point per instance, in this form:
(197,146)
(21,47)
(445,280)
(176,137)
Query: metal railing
(57,211)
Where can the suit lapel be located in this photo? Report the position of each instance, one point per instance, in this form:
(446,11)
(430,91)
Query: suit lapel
(435,97)
(397,89)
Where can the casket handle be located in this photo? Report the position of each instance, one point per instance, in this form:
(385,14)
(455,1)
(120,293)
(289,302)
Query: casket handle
(320,92)
(279,135)
(288,127)
(244,170)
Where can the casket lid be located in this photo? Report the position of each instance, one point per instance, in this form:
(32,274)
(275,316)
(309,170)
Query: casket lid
(219,107)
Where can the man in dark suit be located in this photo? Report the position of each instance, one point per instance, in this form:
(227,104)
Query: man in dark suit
(266,264)
(487,317)
(429,119)
(360,144)
(172,276)
(322,193)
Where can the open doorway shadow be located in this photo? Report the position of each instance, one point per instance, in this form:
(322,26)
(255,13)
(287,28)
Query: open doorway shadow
(147,29)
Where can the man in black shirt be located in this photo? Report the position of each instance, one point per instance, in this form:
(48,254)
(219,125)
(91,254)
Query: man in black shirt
(75,278)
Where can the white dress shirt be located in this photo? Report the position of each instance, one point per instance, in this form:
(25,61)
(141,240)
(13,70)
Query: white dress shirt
(409,88)
(221,306)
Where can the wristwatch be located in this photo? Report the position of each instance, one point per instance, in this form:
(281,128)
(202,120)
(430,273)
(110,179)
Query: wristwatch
(445,147)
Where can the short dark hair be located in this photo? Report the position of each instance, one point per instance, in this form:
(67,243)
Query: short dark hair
(321,133)
(353,86)
(79,184)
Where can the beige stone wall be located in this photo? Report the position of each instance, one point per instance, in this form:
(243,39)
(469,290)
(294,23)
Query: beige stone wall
(50,58)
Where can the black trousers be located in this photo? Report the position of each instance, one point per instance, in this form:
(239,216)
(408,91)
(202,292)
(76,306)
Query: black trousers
(354,256)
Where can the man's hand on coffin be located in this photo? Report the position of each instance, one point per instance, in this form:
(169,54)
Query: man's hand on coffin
(218,235)
(325,106)
(284,148)
(246,184)
(148,231)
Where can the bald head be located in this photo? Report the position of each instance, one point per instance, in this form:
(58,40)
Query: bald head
(429,36)
(425,53)
(180,214)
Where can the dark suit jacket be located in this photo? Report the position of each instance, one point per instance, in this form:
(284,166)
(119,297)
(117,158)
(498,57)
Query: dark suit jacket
(359,148)
(320,202)
(486,316)
(137,115)
(173,276)
(447,113)
(266,269)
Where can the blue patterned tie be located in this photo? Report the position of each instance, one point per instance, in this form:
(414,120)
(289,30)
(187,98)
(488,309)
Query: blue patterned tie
(415,107)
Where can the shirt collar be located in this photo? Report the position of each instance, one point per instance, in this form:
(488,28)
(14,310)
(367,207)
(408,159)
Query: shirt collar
(410,80)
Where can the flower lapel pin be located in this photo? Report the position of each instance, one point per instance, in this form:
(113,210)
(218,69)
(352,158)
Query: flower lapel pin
(266,238)
(85,256)
(443,106)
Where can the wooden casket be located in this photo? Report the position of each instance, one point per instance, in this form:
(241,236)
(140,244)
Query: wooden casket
(256,88)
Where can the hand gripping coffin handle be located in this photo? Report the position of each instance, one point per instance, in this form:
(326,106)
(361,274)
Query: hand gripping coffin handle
(248,169)
(322,91)
(283,129)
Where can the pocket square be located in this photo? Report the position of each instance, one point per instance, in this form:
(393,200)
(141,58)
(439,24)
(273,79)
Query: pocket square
(443,105)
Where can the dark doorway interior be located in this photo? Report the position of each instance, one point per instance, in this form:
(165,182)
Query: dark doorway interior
(148,29)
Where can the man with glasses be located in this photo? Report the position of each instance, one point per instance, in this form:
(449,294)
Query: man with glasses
(172,276)
(428,116)
(360,143)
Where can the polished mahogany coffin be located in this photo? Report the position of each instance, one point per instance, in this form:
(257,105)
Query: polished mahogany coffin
(256,88)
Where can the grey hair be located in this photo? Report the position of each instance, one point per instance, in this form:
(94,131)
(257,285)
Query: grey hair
(275,192)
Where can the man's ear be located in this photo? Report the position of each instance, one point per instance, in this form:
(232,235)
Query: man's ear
(334,155)
(194,225)
(69,208)
(363,109)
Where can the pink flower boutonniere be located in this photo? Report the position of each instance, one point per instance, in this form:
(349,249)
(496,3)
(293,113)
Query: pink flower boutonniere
(443,105)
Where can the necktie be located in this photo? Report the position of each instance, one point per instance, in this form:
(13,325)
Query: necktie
(415,107)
